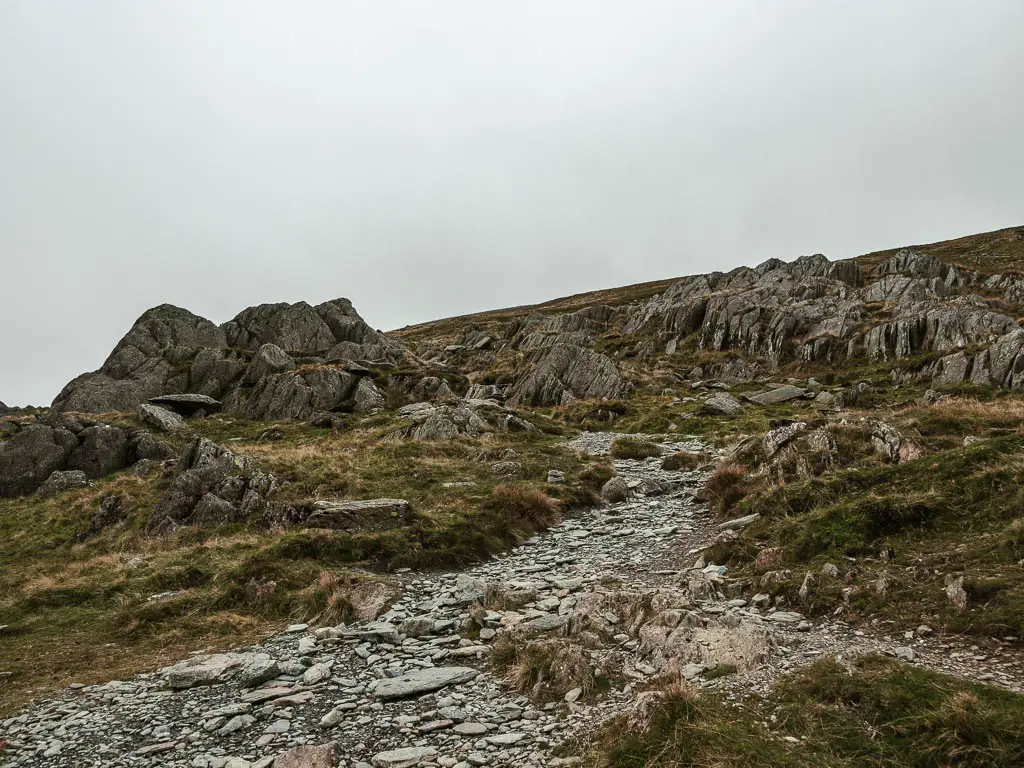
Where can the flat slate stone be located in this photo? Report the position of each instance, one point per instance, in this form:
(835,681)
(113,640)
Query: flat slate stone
(403,758)
(775,396)
(548,623)
(423,681)
(188,403)
(367,514)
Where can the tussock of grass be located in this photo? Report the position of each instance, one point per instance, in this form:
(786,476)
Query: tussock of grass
(547,669)
(879,713)
(682,461)
(631,448)
(725,487)
(522,511)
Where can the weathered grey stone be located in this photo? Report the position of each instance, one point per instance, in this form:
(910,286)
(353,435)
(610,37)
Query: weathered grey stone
(188,403)
(300,394)
(779,395)
(31,456)
(160,418)
(60,481)
(145,363)
(268,360)
(102,449)
(208,669)
(721,403)
(212,485)
(778,437)
(369,514)
(615,491)
(423,681)
(112,509)
(406,757)
(567,370)
(308,756)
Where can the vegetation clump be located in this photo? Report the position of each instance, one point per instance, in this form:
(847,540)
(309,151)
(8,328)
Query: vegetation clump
(878,712)
(631,448)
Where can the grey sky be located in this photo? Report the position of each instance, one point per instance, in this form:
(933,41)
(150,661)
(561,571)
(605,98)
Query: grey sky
(426,159)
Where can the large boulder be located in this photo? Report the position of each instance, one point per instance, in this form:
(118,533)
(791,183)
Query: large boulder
(160,418)
(102,449)
(31,456)
(153,358)
(268,360)
(61,481)
(213,486)
(187,403)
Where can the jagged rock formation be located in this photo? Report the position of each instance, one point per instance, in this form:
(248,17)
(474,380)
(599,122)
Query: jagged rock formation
(429,421)
(757,319)
(213,486)
(172,351)
(160,354)
(61,443)
(281,361)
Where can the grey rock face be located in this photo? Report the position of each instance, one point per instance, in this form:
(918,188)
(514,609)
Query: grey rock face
(371,514)
(160,418)
(436,422)
(145,363)
(779,436)
(213,486)
(63,481)
(300,395)
(102,449)
(333,330)
(31,456)
(423,681)
(564,372)
(171,351)
(268,360)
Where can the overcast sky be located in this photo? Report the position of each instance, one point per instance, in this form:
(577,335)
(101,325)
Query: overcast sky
(426,159)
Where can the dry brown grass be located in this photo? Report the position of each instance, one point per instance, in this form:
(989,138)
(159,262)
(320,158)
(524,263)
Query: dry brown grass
(726,487)
(683,460)
(631,448)
(543,669)
(523,510)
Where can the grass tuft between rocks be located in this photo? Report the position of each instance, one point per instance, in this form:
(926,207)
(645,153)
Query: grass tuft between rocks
(878,712)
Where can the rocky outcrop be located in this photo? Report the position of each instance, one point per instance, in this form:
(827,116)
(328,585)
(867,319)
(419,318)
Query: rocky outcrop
(160,418)
(171,352)
(565,372)
(213,486)
(154,357)
(332,330)
(438,422)
(61,443)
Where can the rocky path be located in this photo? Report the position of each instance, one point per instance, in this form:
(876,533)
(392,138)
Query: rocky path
(414,688)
